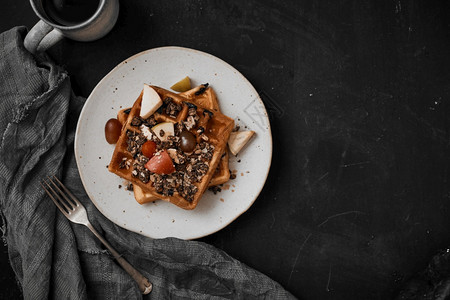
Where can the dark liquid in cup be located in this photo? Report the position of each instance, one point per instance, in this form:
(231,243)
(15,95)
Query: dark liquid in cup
(70,12)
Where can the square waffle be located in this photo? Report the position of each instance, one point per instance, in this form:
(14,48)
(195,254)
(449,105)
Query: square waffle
(203,96)
(194,170)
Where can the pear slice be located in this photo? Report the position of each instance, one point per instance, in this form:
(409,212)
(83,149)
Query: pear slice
(183,85)
(151,101)
(238,139)
(166,128)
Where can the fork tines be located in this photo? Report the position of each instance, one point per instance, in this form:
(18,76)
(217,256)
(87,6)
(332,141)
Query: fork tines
(75,212)
(58,193)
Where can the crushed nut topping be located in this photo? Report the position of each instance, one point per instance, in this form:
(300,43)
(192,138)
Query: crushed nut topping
(134,142)
(129,186)
(192,111)
(190,168)
(190,122)
(171,108)
(200,130)
(202,89)
(138,121)
(215,189)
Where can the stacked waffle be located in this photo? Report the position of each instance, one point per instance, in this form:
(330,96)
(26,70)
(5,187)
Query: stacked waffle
(189,135)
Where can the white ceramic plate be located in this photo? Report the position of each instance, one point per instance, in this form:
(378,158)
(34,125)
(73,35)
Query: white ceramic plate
(119,89)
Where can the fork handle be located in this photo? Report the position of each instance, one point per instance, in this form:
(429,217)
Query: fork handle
(145,285)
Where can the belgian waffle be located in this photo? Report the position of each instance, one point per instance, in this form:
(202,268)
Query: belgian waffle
(221,176)
(123,114)
(204,96)
(201,96)
(194,170)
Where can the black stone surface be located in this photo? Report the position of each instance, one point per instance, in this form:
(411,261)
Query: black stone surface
(358,196)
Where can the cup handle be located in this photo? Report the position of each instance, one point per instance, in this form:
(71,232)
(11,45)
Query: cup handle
(41,37)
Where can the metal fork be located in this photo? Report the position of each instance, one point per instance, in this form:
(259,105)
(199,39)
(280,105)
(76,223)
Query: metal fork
(75,212)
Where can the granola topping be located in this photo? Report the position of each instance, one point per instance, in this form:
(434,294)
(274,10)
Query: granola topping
(202,89)
(135,141)
(190,167)
(171,108)
(190,122)
(138,121)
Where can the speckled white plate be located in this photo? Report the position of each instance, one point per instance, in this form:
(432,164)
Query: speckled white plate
(119,89)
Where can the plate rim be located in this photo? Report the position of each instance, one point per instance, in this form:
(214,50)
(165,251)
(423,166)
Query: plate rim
(199,52)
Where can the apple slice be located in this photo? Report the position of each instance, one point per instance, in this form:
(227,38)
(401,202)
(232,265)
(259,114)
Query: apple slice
(161,163)
(238,139)
(163,130)
(151,101)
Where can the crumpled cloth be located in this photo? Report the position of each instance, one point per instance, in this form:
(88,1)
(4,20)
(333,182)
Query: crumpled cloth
(432,283)
(54,258)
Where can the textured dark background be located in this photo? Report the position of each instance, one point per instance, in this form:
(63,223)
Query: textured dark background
(358,198)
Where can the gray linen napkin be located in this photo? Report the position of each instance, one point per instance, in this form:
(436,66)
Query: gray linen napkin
(53,258)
